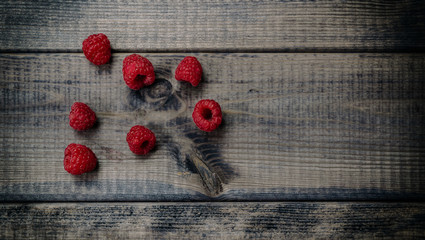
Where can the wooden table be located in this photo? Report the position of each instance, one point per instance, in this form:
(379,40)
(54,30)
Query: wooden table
(323,133)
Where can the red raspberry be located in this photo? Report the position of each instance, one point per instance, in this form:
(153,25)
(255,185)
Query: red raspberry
(189,70)
(140,140)
(137,71)
(79,159)
(81,116)
(207,115)
(97,49)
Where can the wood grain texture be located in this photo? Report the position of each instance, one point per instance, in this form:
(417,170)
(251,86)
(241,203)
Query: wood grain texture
(296,126)
(213,221)
(295,26)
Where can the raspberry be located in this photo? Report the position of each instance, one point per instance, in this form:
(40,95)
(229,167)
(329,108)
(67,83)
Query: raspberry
(140,140)
(189,70)
(81,116)
(97,49)
(137,71)
(79,159)
(207,115)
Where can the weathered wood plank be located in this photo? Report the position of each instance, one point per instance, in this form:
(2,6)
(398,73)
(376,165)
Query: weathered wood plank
(296,25)
(285,220)
(296,126)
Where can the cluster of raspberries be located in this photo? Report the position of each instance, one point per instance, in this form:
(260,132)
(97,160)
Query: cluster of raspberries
(138,72)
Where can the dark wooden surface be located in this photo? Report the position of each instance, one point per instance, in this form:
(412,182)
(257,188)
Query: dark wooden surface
(296,126)
(217,26)
(283,220)
(324,111)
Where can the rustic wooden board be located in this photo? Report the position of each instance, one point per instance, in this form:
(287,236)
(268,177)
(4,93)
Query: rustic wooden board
(284,220)
(296,25)
(296,126)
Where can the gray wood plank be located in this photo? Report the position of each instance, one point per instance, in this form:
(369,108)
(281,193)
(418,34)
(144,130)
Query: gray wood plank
(323,220)
(296,126)
(295,26)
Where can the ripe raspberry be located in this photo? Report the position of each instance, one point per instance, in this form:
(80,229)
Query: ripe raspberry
(79,159)
(189,70)
(207,115)
(140,140)
(97,49)
(137,71)
(81,116)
